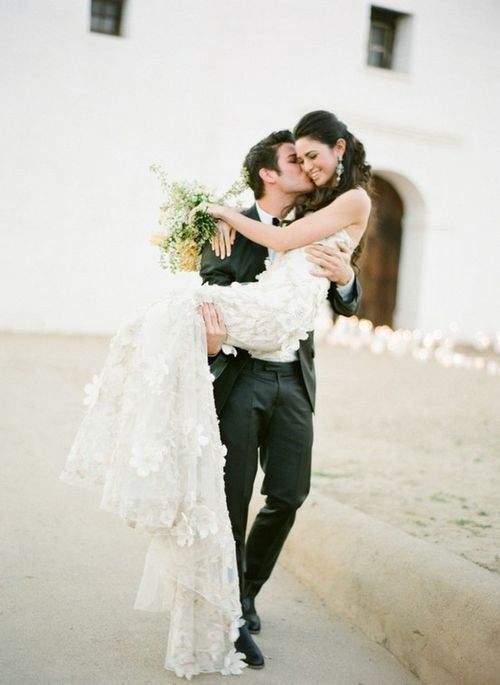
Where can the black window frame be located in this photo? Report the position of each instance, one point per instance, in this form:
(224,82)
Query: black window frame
(386,20)
(101,16)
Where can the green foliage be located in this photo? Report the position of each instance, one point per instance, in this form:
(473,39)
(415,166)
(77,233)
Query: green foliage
(184,229)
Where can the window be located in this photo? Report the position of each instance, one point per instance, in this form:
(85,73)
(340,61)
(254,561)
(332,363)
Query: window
(106,16)
(388,41)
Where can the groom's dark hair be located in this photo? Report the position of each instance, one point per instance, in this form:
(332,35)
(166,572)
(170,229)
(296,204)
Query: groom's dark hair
(263,155)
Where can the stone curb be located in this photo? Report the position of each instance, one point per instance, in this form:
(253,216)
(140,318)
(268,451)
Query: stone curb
(436,612)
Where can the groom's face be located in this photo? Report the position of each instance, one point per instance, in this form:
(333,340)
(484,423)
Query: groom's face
(292,178)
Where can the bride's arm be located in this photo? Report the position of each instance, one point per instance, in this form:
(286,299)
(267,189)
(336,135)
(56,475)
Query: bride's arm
(349,211)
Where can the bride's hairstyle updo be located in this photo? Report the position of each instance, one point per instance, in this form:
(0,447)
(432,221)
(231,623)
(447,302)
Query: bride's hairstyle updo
(327,128)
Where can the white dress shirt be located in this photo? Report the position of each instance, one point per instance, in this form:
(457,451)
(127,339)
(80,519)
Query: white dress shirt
(281,355)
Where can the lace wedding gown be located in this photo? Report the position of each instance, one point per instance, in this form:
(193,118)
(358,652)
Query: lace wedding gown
(150,439)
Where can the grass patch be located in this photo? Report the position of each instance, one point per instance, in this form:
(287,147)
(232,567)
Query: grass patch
(467,522)
(438,497)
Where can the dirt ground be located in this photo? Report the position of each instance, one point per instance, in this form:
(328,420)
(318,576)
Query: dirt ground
(414,444)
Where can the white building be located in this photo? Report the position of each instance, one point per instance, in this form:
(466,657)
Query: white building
(192,85)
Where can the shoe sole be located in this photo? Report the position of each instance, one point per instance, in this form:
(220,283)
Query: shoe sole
(255,667)
(254,632)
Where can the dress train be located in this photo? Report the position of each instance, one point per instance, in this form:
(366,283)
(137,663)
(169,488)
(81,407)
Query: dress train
(150,440)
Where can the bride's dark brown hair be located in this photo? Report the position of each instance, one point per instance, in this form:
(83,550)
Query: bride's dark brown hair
(327,128)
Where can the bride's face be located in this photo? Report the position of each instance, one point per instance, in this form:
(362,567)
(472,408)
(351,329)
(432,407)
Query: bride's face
(318,160)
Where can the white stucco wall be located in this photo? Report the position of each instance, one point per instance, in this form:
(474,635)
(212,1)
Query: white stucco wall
(193,85)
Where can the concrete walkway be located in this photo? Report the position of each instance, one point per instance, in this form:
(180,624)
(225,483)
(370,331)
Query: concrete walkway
(69,571)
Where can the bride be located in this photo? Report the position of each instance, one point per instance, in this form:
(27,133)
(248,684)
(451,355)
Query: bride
(150,438)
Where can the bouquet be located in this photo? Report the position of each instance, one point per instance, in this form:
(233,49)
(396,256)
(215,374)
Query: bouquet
(183,228)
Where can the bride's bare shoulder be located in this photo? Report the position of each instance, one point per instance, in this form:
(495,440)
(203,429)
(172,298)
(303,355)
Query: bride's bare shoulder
(356,196)
(355,200)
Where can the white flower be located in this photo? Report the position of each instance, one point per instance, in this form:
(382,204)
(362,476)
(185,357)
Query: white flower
(203,440)
(229,349)
(187,671)
(234,629)
(92,391)
(183,532)
(156,372)
(233,663)
(143,468)
(146,458)
(189,426)
(204,521)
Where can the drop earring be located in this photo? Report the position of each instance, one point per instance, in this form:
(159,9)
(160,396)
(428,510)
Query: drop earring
(339,170)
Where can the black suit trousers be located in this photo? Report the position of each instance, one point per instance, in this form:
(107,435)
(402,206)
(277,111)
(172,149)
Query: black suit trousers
(268,416)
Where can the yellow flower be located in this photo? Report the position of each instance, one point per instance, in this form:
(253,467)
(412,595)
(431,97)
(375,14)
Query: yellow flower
(188,255)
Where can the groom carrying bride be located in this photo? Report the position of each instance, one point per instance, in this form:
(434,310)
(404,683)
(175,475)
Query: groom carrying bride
(265,404)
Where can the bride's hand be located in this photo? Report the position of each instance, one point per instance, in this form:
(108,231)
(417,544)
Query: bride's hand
(217,211)
(223,240)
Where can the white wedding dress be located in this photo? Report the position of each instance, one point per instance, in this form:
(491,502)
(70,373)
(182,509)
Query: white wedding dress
(150,440)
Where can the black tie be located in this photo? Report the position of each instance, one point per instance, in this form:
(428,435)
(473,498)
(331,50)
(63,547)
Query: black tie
(276,221)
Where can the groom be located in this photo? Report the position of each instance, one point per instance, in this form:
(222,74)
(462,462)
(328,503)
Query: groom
(265,404)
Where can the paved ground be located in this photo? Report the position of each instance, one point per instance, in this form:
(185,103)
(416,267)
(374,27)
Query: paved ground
(69,571)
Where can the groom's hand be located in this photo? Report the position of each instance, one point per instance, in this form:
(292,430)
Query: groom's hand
(214,326)
(333,263)
(223,240)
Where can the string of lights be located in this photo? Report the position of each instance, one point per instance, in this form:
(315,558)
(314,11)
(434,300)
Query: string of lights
(446,347)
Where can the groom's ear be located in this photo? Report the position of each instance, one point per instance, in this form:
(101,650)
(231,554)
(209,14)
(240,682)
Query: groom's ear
(267,175)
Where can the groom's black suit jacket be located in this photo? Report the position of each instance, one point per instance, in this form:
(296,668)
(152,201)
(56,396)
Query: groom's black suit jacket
(245,262)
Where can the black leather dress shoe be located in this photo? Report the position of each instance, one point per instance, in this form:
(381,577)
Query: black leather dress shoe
(250,615)
(245,644)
